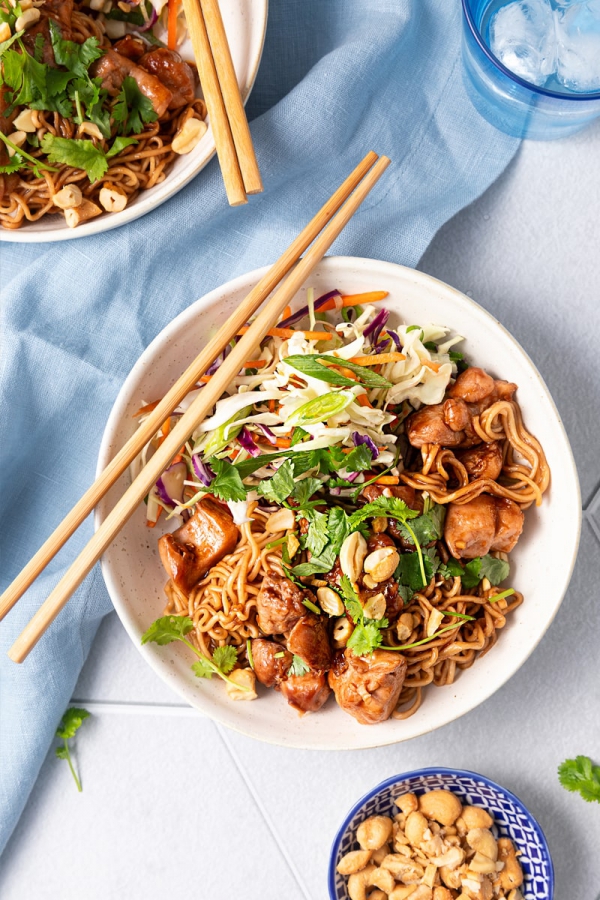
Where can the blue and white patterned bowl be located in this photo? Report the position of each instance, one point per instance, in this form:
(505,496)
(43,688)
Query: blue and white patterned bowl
(512,820)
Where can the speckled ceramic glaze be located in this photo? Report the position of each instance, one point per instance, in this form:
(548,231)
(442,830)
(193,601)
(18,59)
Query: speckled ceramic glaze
(245,22)
(512,820)
(135,577)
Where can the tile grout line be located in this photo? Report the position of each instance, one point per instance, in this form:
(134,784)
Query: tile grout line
(266,817)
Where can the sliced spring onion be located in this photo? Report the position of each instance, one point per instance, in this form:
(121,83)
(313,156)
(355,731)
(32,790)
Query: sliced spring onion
(321,408)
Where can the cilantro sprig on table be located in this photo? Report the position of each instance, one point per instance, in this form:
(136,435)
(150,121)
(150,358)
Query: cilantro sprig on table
(580,775)
(69,725)
(174,628)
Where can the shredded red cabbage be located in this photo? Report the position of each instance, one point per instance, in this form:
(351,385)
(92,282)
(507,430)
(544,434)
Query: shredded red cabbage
(382,346)
(220,359)
(247,441)
(365,439)
(375,327)
(169,486)
(151,21)
(267,433)
(295,317)
(396,339)
(203,471)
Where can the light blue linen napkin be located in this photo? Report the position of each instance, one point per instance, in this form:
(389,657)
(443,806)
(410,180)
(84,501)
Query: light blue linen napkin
(337,78)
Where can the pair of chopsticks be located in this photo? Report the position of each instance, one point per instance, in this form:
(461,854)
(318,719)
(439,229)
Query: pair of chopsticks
(223,100)
(323,230)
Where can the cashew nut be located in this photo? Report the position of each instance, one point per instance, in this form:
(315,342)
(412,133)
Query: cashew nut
(475,817)
(188,136)
(511,875)
(353,862)
(382,879)
(112,197)
(451,859)
(86,210)
(405,870)
(423,892)
(357,883)
(282,520)
(404,626)
(352,555)
(450,877)
(29,17)
(374,832)
(341,632)
(407,802)
(68,197)
(482,840)
(378,856)
(403,891)
(415,828)
(442,806)
(246,679)
(375,607)
(27,120)
(433,622)
(382,563)
(329,601)
(4,32)
(441,893)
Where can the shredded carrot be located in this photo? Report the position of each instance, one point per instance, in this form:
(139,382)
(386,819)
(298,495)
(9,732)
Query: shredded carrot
(363,400)
(387,479)
(166,426)
(271,405)
(286,313)
(234,453)
(355,300)
(205,378)
(152,524)
(176,459)
(284,443)
(290,332)
(255,364)
(145,409)
(379,360)
(173,11)
(434,366)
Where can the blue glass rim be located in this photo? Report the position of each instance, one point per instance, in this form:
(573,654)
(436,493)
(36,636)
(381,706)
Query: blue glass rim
(416,773)
(544,92)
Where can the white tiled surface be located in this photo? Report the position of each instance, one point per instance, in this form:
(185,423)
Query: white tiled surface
(174,806)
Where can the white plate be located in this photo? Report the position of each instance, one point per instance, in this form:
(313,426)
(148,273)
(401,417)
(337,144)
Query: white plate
(245,23)
(135,577)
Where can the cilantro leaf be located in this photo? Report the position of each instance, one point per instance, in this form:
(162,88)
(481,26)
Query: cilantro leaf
(430,526)
(365,638)
(359,459)
(298,436)
(298,667)
(337,528)
(317,537)
(409,573)
(317,565)
(6,44)
(69,725)
(225,658)
(280,486)
(582,776)
(17,162)
(167,629)
(303,490)
(79,154)
(495,570)
(202,668)
(77,58)
(119,145)
(351,601)
(132,110)
(71,722)
(392,507)
(227,484)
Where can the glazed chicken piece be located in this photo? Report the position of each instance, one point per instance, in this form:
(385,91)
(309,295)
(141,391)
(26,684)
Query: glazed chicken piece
(113,69)
(173,72)
(450,423)
(368,687)
(193,549)
(483,524)
(132,47)
(482,461)
(279,604)
(306,693)
(308,639)
(270,667)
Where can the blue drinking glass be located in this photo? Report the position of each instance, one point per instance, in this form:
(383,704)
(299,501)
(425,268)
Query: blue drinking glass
(510,103)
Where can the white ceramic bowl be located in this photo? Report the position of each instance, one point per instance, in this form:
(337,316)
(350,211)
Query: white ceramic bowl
(245,23)
(135,577)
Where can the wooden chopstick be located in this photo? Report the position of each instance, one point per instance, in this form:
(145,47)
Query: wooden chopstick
(180,389)
(231,96)
(188,423)
(211,89)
